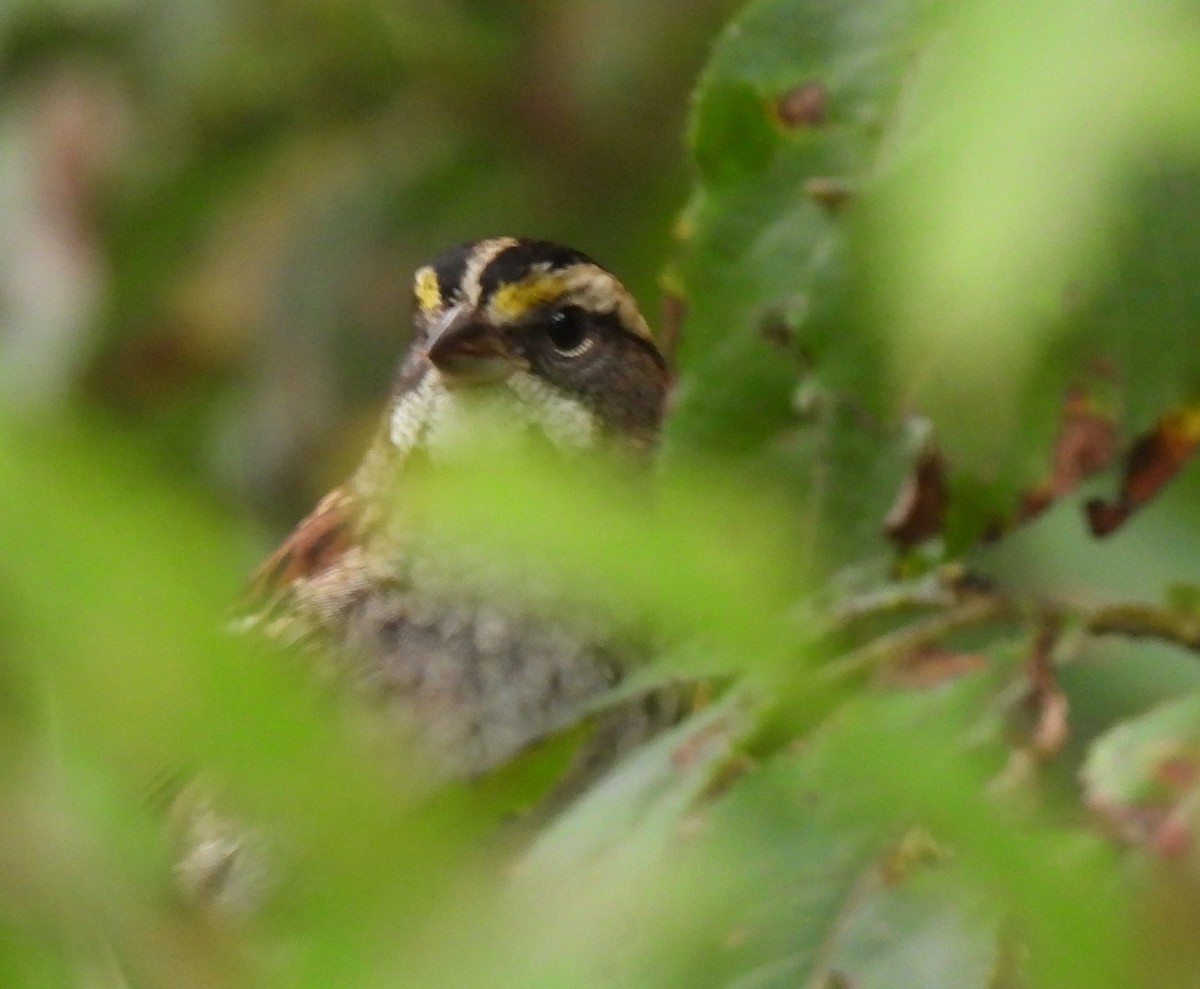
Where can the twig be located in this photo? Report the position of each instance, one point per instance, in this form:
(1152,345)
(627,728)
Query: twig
(964,609)
(1146,621)
(972,611)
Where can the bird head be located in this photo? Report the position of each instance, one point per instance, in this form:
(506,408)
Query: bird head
(512,339)
(528,332)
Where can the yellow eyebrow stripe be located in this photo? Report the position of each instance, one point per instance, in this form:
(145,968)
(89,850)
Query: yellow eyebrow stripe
(513,300)
(425,286)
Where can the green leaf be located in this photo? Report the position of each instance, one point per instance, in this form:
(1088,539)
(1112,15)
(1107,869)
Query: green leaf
(927,928)
(1140,770)
(756,242)
(1033,234)
(113,586)
(984,251)
(796,98)
(795,875)
(908,757)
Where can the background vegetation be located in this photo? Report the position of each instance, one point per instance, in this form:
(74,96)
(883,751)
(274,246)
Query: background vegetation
(929,520)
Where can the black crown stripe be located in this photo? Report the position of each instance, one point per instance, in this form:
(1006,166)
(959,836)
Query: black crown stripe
(449,267)
(515,262)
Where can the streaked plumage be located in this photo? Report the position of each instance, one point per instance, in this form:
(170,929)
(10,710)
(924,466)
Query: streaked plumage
(514,341)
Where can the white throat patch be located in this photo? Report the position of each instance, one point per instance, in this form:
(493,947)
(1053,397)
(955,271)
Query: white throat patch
(448,420)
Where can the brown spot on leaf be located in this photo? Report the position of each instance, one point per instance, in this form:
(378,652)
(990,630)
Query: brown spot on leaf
(1086,443)
(803,106)
(920,507)
(1152,461)
(829,192)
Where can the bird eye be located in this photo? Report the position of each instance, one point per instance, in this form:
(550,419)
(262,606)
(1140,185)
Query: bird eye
(567,329)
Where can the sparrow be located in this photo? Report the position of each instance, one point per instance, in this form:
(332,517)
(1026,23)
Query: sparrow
(514,341)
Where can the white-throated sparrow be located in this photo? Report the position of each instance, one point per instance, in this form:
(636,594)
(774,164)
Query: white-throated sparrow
(514,340)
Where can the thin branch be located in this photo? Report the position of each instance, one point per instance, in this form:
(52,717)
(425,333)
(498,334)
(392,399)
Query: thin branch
(1146,621)
(975,610)
(959,609)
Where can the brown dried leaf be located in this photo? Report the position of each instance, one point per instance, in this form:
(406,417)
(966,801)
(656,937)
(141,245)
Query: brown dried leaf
(1086,443)
(920,507)
(1152,461)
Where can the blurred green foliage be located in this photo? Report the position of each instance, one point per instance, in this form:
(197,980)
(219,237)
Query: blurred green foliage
(953,235)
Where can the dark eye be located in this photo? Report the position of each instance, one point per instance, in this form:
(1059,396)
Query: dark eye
(568,331)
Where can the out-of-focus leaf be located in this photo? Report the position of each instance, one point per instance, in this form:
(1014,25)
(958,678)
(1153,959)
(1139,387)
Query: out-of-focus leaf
(638,808)
(935,301)
(1119,680)
(584,903)
(787,875)
(1025,140)
(1142,776)
(778,867)
(705,893)
(925,928)
(1041,241)
(909,759)
(114,588)
(680,558)
(778,874)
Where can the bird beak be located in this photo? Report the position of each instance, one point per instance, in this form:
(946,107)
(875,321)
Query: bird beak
(469,350)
